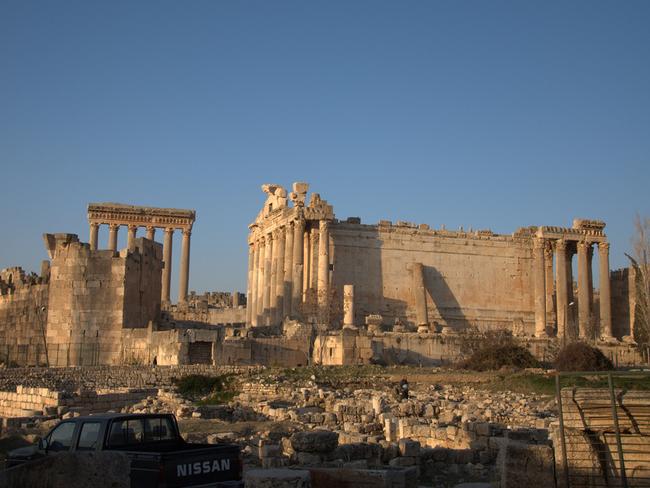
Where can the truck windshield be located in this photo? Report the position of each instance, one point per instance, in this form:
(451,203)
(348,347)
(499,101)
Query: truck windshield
(129,432)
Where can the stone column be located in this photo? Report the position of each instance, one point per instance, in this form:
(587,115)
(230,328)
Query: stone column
(561,286)
(252,298)
(278,289)
(308,257)
(590,280)
(539,277)
(268,253)
(348,305)
(167,263)
(112,236)
(313,256)
(249,282)
(151,233)
(605,292)
(549,281)
(94,231)
(298,256)
(288,271)
(419,295)
(273,296)
(572,307)
(260,281)
(131,235)
(184,275)
(323,263)
(584,306)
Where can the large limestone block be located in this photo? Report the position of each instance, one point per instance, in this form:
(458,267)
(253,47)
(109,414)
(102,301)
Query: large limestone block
(526,465)
(315,441)
(277,478)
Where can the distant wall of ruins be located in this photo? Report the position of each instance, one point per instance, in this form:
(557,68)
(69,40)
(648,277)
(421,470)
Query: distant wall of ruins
(23,315)
(214,316)
(470,279)
(109,377)
(623,301)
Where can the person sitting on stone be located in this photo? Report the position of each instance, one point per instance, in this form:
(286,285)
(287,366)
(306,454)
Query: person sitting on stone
(404,389)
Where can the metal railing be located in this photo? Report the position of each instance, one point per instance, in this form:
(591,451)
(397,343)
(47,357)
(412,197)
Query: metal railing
(68,354)
(604,429)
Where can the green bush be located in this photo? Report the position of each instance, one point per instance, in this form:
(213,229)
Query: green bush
(197,385)
(580,356)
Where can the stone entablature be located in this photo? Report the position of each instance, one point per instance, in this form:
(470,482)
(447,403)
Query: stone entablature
(121,214)
(573,234)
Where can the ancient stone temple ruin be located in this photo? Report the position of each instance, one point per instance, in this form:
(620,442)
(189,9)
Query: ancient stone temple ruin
(306,264)
(133,217)
(320,290)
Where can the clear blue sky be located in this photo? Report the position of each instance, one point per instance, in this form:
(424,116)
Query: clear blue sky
(486,114)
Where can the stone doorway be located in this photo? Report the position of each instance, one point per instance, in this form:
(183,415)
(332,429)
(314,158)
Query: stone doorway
(200,352)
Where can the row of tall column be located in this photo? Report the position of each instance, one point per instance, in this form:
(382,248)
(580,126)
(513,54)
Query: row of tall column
(545,305)
(282,266)
(183,282)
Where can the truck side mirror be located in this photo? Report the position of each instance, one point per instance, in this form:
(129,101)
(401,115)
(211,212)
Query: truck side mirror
(43,444)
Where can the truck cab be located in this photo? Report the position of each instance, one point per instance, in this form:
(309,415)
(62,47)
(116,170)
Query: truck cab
(159,455)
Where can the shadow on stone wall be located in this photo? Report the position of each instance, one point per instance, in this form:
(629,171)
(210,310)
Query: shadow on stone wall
(445,301)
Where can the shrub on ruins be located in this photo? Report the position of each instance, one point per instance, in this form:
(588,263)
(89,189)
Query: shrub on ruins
(209,389)
(580,356)
(493,350)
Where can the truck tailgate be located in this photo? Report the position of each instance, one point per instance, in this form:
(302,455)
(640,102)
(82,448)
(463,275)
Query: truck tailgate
(202,465)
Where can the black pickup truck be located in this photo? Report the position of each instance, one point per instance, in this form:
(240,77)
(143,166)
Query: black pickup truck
(160,458)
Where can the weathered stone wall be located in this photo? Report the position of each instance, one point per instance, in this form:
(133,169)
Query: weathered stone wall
(142,285)
(623,301)
(108,377)
(34,401)
(269,351)
(23,315)
(350,347)
(95,294)
(472,278)
(214,316)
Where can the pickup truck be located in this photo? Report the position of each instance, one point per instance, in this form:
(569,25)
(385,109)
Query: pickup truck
(160,458)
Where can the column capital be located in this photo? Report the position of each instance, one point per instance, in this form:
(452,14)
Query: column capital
(583,245)
(186,232)
(276,233)
(133,227)
(539,243)
(603,247)
(548,250)
(560,245)
(151,228)
(94,224)
(169,230)
(113,226)
(324,224)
